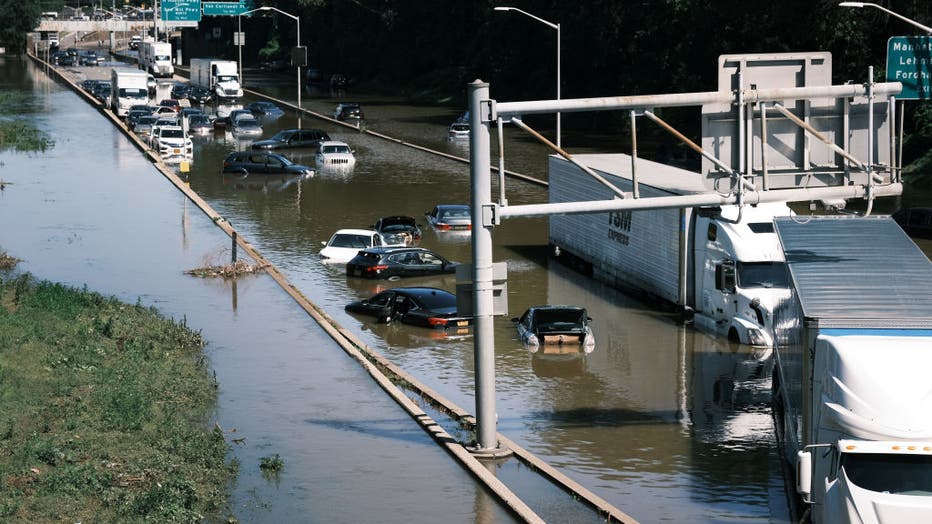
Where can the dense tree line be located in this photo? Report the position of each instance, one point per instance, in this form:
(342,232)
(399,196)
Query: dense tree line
(430,49)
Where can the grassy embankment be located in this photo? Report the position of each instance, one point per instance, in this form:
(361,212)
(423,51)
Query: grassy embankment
(104,412)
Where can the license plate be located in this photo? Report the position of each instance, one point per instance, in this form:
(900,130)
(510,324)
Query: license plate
(460,228)
(176,151)
(462,331)
(462,322)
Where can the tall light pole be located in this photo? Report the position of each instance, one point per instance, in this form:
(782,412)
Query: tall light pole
(298,23)
(554,26)
(889,12)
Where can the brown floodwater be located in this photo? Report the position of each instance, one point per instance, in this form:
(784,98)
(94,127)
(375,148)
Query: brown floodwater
(663,422)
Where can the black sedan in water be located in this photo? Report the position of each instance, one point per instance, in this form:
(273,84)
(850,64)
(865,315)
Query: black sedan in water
(418,306)
(395,262)
(261,162)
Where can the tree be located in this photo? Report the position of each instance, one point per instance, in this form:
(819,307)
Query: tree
(16,19)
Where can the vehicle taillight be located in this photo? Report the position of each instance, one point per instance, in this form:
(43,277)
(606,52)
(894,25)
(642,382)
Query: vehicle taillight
(437,322)
(443,227)
(376,269)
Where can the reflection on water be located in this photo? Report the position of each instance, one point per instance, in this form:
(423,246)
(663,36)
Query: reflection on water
(259,182)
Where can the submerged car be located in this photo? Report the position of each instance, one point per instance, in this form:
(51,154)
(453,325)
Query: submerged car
(246,127)
(258,162)
(346,243)
(200,125)
(458,131)
(553,329)
(172,141)
(450,217)
(335,154)
(348,111)
(396,262)
(418,306)
(265,109)
(199,95)
(292,138)
(399,230)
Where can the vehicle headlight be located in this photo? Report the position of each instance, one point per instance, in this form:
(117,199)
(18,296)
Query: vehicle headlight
(756,337)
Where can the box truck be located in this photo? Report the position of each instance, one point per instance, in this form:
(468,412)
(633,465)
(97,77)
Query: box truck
(219,76)
(128,88)
(723,265)
(156,58)
(853,356)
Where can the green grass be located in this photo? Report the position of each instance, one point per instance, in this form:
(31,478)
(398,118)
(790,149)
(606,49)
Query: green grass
(104,412)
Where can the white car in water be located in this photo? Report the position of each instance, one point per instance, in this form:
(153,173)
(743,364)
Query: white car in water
(333,154)
(172,141)
(345,243)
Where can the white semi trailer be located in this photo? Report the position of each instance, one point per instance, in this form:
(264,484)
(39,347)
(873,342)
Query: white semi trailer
(853,355)
(156,58)
(219,76)
(129,87)
(723,264)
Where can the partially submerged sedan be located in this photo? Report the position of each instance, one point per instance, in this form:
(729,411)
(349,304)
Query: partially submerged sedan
(555,329)
(450,217)
(396,262)
(418,306)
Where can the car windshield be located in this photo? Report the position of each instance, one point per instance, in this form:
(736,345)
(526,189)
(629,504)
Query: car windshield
(199,119)
(226,78)
(172,133)
(335,149)
(146,120)
(456,212)
(395,228)
(460,127)
(904,474)
(574,317)
(762,274)
(282,136)
(247,122)
(350,240)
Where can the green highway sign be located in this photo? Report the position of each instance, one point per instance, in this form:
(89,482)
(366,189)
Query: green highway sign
(181,10)
(227,8)
(909,61)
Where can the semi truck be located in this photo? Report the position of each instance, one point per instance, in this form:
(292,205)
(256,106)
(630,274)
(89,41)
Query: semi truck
(128,88)
(156,58)
(219,76)
(853,355)
(723,265)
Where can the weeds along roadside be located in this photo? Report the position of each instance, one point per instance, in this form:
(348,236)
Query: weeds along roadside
(105,412)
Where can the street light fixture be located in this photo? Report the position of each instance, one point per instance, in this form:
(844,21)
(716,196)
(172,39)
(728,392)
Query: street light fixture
(298,24)
(885,10)
(553,26)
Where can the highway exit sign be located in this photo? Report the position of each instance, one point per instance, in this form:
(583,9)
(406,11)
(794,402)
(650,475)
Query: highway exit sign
(909,61)
(181,10)
(227,8)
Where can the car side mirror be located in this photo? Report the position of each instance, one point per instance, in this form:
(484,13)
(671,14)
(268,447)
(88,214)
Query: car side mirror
(588,319)
(323,243)
(515,320)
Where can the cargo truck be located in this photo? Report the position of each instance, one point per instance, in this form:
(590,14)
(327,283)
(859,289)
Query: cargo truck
(156,58)
(219,76)
(723,265)
(128,88)
(853,356)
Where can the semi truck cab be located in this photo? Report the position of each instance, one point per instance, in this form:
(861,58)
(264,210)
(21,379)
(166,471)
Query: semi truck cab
(740,272)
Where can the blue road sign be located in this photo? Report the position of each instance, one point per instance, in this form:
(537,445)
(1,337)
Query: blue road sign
(909,61)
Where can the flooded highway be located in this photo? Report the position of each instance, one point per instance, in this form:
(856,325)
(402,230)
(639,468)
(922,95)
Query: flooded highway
(662,421)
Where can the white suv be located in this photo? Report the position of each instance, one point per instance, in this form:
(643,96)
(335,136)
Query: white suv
(172,141)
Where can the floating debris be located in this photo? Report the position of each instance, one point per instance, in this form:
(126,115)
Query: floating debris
(8,262)
(236,269)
